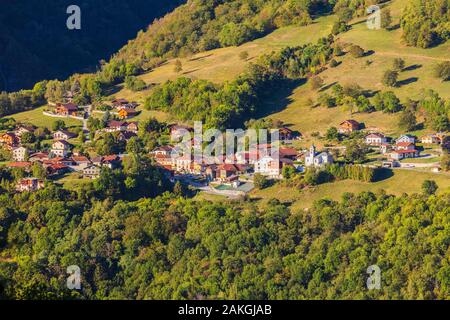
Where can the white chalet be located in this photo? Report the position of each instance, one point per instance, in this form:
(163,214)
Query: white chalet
(268,166)
(60,148)
(63,135)
(19,154)
(406,138)
(375,139)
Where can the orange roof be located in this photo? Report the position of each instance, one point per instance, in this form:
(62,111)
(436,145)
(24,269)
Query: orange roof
(288,152)
(227,167)
(80,159)
(404,144)
(112,157)
(22,164)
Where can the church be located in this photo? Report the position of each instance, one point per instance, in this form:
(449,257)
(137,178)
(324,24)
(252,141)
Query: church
(314,159)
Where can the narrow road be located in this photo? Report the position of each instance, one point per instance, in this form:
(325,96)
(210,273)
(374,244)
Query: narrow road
(85,122)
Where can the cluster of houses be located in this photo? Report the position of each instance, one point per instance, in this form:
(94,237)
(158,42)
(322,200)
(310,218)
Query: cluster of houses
(125,130)
(88,168)
(262,159)
(228,169)
(59,159)
(402,148)
(124,108)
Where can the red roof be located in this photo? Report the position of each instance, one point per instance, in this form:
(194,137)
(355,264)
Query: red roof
(120,101)
(80,159)
(39,155)
(58,166)
(22,164)
(378,135)
(288,152)
(228,167)
(112,157)
(404,144)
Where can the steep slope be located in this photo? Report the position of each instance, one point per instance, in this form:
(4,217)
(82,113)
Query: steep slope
(35,43)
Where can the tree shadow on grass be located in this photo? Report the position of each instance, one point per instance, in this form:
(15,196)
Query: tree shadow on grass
(382,174)
(277,99)
(413,67)
(407,81)
(201,57)
(328,86)
(368,53)
(190,71)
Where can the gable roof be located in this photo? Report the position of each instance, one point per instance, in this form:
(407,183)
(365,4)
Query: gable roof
(351,122)
(64,142)
(375,135)
(115,123)
(404,144)
(70,106)
(21,164)
(65,132)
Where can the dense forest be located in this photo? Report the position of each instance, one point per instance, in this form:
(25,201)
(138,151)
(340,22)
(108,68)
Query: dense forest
(35,43)
(171,247)
(426,23)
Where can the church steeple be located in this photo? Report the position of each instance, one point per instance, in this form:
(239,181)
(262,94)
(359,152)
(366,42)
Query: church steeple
(312,150)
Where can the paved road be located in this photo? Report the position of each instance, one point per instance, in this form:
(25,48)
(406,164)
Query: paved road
(85,122)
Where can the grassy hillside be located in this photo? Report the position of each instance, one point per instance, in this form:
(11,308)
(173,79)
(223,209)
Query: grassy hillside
(402,181)
(384,47)
(36,118)
(224,64)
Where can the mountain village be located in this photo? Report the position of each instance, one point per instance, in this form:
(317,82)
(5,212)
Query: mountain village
(227,176)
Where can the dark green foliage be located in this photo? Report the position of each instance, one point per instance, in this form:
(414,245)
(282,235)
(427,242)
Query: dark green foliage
(356,51)
(390,78)
(134,84)
(386,18)
(429,187)
(130,247)
(35,43)
(327,100)
(425,22)
(442,70)
(436,111)
(260,181)
(58,125)
(356,152)
(407,120)
(387,102)
(332,134)
(399,64)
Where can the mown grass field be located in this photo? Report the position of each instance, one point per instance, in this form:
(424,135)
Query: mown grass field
(36,118)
